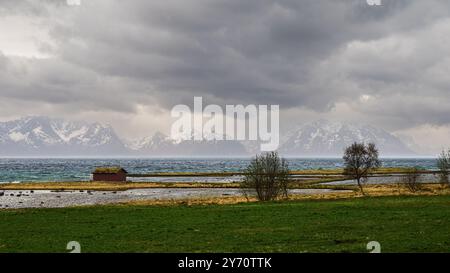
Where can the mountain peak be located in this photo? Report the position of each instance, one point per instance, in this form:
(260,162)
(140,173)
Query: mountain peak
(39,135)
(327,138)
(43,136)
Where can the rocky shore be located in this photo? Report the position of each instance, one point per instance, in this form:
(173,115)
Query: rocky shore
(13,199)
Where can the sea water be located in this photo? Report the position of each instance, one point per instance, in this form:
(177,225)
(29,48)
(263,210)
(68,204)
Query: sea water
(80,169)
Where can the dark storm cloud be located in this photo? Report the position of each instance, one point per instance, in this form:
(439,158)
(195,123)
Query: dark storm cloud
(257,52)
(311,54)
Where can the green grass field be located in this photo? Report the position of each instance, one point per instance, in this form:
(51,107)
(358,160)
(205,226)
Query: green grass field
(400,224)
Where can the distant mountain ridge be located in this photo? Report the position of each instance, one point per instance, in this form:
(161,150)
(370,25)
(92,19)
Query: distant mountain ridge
(325,138)
(43,136)
(34,136)
(162,145)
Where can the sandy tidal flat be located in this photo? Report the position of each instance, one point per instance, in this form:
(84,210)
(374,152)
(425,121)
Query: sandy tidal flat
(57,199)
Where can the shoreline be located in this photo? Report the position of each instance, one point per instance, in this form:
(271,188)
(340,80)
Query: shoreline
(27,199)
(15,199)
(216,177)
(309,174)
(304,184)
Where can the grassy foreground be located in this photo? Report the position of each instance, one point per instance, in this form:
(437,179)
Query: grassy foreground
(399,223)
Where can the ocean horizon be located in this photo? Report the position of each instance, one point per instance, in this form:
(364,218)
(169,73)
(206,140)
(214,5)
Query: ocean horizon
(50,169)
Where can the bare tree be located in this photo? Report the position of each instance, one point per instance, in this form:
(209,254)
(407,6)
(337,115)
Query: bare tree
(360,160)
(411,180)
(443,163)
(266,177)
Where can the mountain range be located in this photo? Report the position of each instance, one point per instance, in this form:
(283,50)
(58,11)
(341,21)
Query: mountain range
(37,136)
(44,136)
(325,138)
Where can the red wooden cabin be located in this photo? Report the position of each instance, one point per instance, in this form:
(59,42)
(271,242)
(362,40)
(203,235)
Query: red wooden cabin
(109,174)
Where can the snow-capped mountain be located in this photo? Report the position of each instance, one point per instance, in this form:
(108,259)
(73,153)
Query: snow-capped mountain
(157,143)
(162,145)
(45,136)
(325,138)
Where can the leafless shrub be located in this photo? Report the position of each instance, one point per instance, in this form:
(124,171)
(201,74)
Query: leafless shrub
(360,160)
(443,164)
(411,180)
(266,177)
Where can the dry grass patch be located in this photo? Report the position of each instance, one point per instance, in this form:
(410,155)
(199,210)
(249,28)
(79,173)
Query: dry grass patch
(371,191)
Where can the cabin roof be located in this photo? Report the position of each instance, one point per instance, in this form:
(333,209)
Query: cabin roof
(109,170)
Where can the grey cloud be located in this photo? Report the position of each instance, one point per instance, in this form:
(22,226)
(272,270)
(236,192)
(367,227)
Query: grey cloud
(114,55)
(56,82)
(257,53)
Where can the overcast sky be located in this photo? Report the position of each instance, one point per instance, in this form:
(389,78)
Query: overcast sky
(127,63)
